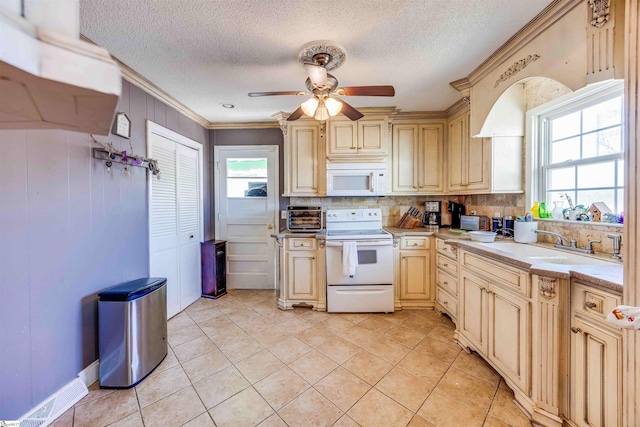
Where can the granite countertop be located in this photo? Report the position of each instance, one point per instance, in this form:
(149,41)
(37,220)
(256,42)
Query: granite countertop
(284,233)
(607,275)
(418,231)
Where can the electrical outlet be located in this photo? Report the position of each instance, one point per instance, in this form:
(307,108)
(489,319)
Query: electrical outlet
(473,212)
(283,214)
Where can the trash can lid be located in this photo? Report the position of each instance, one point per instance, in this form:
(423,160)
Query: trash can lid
(132,290)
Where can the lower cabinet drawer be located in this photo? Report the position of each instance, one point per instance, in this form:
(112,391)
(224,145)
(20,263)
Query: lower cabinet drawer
(445,249)
(592,302)
(447,281)
(302,244)
(449,303)
(415,242)
(447,264)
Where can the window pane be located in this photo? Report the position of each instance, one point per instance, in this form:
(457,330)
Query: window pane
(567,149)
(605,114)
(620,206)
(602,143)
(246,187)
(559,179)
(620,182)
(587,197)
(565,126)
(596,176)
(246,167)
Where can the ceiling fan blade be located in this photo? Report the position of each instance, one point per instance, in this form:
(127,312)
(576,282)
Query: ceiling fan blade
(317,75)
(291,92)
(295,115)
(366,91)
(350,112)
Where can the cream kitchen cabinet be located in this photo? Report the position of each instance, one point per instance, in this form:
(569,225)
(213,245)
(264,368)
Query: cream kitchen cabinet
(481,165)
(304,160)
(366,139)
(416,271)
(596,358)
(302,273)
(495,316)
(417,159)
(446,279)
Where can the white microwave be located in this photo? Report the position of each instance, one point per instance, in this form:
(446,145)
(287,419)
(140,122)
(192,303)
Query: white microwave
(356,179)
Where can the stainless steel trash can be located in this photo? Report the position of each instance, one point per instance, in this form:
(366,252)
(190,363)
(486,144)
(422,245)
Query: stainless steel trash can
(132,331)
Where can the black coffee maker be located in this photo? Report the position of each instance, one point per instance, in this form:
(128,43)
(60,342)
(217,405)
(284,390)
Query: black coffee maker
(456,210)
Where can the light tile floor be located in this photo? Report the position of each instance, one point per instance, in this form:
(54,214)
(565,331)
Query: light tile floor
(241,361)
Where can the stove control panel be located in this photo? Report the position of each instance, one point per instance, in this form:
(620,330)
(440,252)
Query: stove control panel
(353,215)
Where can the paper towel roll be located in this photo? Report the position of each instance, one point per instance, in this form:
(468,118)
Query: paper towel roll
(524,232)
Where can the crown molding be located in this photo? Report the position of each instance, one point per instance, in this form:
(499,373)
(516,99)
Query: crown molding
(550,15)
(456,108)
(420,115)
(246,125)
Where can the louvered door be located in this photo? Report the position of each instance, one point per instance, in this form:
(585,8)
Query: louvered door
(188,224)
(174,221)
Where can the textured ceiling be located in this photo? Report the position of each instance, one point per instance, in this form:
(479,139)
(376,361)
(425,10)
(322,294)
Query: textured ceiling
(205,53)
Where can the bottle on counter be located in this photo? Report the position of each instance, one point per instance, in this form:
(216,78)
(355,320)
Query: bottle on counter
(542,210)
(535,210)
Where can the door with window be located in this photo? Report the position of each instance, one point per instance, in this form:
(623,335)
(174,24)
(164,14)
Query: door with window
(246,189)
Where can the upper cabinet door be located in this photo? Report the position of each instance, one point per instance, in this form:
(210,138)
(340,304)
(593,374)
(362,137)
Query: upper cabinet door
(362,140)
(458,138)
(431,158)
(343,138)
(304,176)
(403,160)
(372,137)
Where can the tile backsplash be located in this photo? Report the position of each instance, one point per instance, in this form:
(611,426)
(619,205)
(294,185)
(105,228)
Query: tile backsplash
(483,204)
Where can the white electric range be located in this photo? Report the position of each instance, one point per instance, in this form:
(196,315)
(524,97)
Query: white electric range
(370,288)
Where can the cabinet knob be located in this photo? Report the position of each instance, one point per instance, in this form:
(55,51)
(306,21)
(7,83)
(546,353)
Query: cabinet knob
(270,226)
(191,237)
(415,244)
(445,282)
(445,302)
(487,290)
(481,289)
(575,330)
(590,304)
(445,264)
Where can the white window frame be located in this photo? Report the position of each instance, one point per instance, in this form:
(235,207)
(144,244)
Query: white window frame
(535,183)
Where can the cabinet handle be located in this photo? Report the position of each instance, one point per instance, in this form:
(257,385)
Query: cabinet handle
(575,330)
(191,237)
(445,302)
(445,264)
(481,289)
(415,244)
(313,257)
(488,291)
(404,257)
(590,304)
(353,148)
(445,282)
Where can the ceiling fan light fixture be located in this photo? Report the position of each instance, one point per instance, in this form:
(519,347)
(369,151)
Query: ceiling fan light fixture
(333,106)
(321,113)
(317,75)
(310,106)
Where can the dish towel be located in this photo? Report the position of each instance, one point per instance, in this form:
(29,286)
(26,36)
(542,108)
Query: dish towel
(349,258)
(625,316)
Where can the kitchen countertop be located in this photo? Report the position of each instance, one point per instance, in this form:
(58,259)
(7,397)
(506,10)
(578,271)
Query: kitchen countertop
(607,276)
(418,231)
(286,233)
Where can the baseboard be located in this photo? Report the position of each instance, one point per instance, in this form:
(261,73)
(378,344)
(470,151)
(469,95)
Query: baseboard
(90,374)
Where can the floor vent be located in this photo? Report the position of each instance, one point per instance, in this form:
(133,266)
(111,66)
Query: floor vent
(55,405)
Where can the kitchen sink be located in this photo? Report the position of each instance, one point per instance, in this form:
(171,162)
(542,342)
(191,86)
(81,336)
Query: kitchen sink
(540,254)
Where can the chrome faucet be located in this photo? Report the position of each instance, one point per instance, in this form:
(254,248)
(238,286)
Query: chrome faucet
(559,239)
(616,245)
(588,249)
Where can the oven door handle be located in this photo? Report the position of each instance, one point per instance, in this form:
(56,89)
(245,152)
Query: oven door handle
(334,243)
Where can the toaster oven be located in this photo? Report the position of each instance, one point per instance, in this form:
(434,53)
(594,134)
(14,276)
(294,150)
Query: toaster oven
(304,219)
(474,222)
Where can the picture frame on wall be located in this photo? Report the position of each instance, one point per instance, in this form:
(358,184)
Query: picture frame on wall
(122,126)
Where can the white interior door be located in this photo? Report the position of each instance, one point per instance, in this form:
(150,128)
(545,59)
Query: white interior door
(175,216)
(246,213)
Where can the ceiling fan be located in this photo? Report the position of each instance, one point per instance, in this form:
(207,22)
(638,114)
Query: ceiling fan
(318,57)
